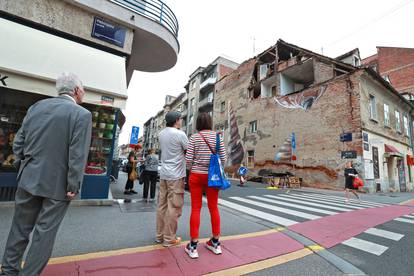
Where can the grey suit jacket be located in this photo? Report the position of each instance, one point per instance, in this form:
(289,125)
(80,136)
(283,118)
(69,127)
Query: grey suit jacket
(51,147)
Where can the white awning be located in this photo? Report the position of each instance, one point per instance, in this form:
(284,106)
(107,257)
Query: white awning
(32,60)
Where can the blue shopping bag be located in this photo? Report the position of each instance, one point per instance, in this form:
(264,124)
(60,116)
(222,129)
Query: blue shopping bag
(216,177)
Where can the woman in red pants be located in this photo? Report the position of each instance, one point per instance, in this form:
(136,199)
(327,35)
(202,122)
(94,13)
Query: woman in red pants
(200,147)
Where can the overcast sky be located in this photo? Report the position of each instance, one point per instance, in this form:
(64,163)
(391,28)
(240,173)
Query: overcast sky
(240,29)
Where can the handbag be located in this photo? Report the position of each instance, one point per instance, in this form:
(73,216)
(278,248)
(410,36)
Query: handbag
(133,175)
(216,177)
(358,182)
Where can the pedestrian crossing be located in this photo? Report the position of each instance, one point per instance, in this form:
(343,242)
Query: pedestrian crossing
(293,208)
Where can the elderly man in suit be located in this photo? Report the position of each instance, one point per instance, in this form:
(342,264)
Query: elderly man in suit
(51,148)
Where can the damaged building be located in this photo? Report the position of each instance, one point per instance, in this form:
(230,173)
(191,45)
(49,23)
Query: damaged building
(293,110)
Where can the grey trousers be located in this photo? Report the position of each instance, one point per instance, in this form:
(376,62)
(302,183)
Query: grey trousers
(44,215)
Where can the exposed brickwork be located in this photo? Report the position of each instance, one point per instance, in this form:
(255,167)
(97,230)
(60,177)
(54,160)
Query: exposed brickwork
(343,107)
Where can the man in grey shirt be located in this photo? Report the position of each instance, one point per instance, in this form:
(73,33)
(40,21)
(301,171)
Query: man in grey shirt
(51,148)
(173,144)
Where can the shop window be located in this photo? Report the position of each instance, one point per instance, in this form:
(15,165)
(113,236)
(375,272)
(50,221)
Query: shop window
(250,158)
(372,107)
(253,127)
(386,115)
(397,121)
(406,129)
(100,151)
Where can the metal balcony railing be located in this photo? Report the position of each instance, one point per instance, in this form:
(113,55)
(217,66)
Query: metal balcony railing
(153,9)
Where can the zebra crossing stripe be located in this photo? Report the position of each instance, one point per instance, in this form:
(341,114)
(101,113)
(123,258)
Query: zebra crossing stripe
(375,204)
(294,205)
(302,201)
(405,220)
(409,216)
(366,246)
(342,200)
(257,213)
(277,209)
(341,205)
(384,234)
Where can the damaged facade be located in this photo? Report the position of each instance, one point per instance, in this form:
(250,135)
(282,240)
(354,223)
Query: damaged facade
(300,112)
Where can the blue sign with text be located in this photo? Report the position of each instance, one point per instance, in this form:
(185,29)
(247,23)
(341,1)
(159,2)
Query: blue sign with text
(108,32)
(134,135)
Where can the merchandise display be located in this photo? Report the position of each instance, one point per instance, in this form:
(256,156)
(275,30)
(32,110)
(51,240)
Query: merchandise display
(11,118)
(103,121)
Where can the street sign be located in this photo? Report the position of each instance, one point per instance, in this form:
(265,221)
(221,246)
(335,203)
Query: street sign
(134,135)
(243,171)
(108,32)
(348,154)
(346,137)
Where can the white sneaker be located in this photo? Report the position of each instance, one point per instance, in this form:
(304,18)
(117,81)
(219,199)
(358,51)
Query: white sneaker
(214,247)
(191,251)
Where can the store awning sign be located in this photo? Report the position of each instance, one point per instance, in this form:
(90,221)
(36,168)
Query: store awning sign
(3,79)
(391,151)
(106,100)
(108,32)
(134,135)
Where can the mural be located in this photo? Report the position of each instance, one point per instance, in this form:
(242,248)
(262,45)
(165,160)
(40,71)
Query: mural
(235,147)
(285,151)
(302,100)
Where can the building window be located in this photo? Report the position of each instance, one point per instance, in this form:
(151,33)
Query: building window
(386,115)
(406,130)
(250,158)
(192,102)
(397,121)
(357,62)
(222,106)
(372,107)
(193,84)
(253,127)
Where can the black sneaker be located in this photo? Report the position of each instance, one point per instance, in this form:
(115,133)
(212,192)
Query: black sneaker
(133,192)
(127,193)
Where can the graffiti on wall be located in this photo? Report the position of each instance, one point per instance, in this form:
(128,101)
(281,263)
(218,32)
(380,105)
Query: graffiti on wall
(284,153)
(235,147)
(302,100)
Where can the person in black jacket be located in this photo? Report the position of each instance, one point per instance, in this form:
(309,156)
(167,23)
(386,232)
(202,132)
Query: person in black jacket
(350,174)
(129,186)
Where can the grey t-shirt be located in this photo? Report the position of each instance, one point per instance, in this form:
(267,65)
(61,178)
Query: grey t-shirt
(173,143)
(151,163)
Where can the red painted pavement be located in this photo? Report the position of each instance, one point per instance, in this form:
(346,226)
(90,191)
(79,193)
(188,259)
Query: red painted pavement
(410,203)
(174,261)
(332,230)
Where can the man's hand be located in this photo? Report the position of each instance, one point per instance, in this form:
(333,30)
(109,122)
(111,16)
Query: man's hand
(70,195)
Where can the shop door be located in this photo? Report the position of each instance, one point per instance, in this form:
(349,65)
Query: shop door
(401,174)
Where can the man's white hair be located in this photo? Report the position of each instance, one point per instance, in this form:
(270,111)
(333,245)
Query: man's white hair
(67,82)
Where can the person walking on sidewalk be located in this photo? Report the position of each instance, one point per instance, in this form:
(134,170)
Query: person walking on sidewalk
(350,174)
(130,167)
(150,175)
(200,147)
(173,143)
(51,149)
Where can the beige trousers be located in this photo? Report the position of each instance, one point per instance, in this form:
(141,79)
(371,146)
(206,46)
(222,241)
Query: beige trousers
(170,206)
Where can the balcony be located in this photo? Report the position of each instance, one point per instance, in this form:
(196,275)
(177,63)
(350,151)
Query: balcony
(206,102)
(155,43)
(207,83)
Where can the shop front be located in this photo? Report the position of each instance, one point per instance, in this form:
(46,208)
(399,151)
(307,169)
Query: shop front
(28,71)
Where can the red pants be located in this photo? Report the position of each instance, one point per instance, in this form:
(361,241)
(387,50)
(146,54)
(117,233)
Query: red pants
(198,183)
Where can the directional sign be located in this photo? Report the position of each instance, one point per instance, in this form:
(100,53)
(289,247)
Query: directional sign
(243,171)
(134,135)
